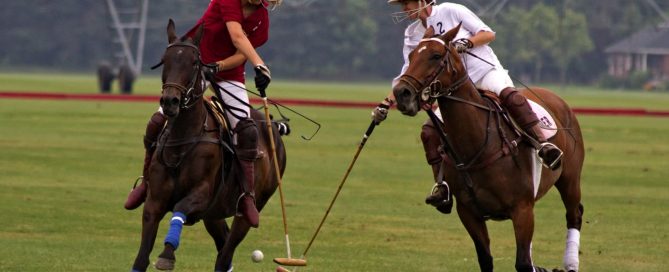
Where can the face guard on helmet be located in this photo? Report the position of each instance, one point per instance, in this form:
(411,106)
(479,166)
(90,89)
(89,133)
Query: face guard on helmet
(400,16)
(269,4)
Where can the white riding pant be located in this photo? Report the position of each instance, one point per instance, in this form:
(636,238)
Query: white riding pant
(236,89)
(495,81)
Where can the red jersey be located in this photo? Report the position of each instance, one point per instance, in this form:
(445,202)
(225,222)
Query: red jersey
(216,43)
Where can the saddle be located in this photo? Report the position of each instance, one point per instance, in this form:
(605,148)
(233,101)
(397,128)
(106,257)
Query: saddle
(215,108)
(511,142)
(546,121)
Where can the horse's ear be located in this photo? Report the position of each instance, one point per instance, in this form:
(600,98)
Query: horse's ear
(429,32)
(198,35)
(171,33)
(450,35)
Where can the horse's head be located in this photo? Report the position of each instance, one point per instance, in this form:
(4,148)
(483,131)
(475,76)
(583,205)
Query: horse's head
(182,75)
(434,66)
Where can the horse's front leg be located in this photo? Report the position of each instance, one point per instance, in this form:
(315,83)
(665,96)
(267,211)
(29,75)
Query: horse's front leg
(151,216)
(193,204)
(478,231)
(240,227)
(218,229)
(523,226)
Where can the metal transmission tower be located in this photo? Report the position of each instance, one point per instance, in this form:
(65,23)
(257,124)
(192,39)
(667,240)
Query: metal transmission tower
(129,25)
(659,11)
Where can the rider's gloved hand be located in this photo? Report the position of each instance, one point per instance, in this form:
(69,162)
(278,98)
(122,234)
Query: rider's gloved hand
(263,77)
(380,113)
(210,70)
(462,45)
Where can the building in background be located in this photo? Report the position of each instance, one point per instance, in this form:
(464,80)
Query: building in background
(645,51)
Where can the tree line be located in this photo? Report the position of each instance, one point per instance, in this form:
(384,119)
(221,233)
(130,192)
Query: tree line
(549,40)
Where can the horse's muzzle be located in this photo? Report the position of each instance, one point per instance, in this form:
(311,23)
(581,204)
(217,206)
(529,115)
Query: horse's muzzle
(406,100)
(170,105)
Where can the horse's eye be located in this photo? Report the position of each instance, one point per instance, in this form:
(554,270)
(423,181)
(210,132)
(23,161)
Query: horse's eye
(435,57)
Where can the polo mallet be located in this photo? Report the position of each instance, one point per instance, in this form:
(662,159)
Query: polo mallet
(368,133)
(268,121)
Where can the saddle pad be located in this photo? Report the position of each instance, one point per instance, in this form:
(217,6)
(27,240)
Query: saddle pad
(546,121)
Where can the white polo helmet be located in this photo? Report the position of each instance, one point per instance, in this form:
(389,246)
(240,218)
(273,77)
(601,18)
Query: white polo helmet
(402,15)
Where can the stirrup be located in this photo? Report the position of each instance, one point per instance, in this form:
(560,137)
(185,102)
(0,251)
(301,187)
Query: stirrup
(557,159)
(435,187)
(140,179)
(239,199)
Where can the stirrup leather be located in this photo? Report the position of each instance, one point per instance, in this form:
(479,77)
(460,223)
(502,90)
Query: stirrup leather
(559,157)
(436,186)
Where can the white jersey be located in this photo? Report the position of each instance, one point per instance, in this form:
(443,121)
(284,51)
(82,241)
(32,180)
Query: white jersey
(443,18)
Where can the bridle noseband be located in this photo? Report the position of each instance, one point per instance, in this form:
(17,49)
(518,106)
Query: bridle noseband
(431,88)
(189,97)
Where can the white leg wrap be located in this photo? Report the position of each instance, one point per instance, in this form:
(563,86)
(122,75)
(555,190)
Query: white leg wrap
(571,250)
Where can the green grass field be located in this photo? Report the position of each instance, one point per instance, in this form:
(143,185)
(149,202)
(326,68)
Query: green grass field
(66,168)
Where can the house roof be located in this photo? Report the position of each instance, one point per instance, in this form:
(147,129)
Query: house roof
(652,40)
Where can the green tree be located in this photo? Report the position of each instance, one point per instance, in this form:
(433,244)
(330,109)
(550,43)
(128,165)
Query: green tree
(536,39)
(573,41)
(322,39)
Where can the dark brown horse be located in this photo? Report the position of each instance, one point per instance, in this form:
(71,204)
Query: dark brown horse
(487,181)
(188,173)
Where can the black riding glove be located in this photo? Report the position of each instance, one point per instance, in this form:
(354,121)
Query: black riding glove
(210,70)
(263,77)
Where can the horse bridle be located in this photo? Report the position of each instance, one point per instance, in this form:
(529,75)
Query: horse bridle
(431,88)
(189,97)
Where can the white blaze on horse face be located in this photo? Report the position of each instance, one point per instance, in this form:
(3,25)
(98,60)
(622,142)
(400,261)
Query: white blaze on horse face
(422,48)
(180,52)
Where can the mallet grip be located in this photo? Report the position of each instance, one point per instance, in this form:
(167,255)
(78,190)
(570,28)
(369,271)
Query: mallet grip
(370,129)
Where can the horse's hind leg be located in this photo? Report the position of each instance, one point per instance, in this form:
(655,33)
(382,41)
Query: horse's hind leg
(240,227)
(478,231)
(570,191)
(218,229)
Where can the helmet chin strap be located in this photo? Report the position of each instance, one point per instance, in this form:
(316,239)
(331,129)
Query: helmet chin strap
(400,16)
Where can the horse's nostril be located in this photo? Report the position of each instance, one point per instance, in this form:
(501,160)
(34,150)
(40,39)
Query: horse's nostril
(174,101)
(406,92)
(162,101)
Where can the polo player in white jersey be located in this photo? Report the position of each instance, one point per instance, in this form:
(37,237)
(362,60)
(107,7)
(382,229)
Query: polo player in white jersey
(473,37)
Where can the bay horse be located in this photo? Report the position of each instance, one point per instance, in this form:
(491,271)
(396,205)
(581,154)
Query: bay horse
(193,172)
(490,176)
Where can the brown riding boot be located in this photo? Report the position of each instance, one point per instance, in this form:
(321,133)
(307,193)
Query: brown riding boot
(247,153)
(440,196)
(522,113)
(138,193)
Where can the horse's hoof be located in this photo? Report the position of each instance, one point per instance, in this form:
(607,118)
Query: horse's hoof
(164,264)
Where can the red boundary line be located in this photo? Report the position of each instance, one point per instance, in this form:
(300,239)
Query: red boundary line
(294,102)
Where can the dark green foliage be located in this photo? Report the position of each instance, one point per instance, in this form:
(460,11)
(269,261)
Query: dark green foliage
(344,39)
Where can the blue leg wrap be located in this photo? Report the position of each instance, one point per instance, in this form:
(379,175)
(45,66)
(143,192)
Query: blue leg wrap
(174,233)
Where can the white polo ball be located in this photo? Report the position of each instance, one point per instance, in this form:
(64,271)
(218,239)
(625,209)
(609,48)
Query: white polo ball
(257,256)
